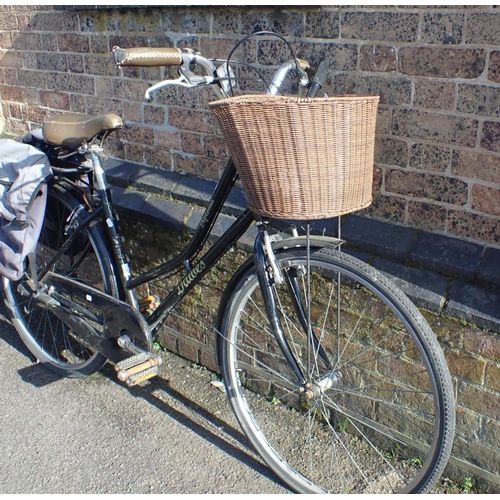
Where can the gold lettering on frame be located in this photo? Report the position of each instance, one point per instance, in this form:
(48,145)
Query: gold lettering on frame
(187,280)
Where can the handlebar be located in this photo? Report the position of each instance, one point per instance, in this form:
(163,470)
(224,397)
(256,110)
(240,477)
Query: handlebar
(301,65)
(319,78)
(187,59)
(148,56)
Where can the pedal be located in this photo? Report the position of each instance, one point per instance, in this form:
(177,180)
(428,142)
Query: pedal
(148,304)
(138,368)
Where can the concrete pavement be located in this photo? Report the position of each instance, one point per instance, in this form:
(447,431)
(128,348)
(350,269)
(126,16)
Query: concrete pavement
(94,435)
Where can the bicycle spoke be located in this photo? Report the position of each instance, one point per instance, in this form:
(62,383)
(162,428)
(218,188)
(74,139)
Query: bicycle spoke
(355,423)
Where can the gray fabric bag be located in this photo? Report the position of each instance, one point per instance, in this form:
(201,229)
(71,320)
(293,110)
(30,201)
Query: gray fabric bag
(24,171)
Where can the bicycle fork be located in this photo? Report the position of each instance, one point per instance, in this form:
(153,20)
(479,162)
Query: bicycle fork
(269,276)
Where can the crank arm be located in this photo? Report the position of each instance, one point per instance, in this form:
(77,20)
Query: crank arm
(118,317)
(86,334)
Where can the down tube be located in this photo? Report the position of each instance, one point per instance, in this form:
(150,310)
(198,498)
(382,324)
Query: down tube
(201,234)
(201,267)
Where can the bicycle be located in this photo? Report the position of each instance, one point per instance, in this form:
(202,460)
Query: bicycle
(333,374)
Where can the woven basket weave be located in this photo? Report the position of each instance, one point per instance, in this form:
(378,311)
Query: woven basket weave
(301,158)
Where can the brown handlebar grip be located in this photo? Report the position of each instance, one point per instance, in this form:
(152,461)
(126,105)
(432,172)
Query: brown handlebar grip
(147,56)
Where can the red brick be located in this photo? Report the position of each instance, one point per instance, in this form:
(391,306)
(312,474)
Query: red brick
(435,127)
(466,366)
(482,343)
(140,134)
(434,94)
(167,140)
(473,226)
(442,63)
(429,157)
(194,121)
(494,68)
(216,147)
(11,59)
(379,58)
(387,208)
(480,400)
(55,100)
(443,28)
(323,24)
(490,138)
(481,167)
(11,93)
(426,186)
(426,216)
(493,377)
(192,143)
(390,26)
(485,199)
(154,115)
(483,28)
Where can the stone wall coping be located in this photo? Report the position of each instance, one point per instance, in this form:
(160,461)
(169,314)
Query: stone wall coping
(445,275)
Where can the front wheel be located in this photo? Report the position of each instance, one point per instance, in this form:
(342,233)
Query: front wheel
(87,260)
(374,410)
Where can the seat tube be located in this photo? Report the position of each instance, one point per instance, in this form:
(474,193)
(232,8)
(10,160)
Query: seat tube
(101,185)
(100,181)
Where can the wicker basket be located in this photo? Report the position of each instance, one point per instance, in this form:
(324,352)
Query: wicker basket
(301,158)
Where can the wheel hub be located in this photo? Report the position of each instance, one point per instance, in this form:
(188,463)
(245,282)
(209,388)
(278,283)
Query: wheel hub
(314,390)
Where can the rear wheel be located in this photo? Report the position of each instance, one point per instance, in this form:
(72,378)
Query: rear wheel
(375,411)
(87,259)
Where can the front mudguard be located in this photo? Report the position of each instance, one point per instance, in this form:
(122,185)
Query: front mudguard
(315,242)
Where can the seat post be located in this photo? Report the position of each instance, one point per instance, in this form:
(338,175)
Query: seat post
(100,180)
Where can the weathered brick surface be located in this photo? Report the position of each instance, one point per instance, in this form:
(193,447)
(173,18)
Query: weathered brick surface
(466,366)
(479,166)
(482,27)
(486,199)
(478,100)
(442,63)
(443,28)
(378,58)
(493,376)
(494,68)
(467,225)
(391,26)
(434,94)
(427,216)
(417,185)
(435,68)
(435,127)
(429,157)
(490,137)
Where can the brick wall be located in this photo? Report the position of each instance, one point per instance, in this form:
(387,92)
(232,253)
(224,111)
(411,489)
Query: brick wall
(437,71)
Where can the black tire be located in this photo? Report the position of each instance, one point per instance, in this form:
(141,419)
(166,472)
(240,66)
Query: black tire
(378,418)
(47,337)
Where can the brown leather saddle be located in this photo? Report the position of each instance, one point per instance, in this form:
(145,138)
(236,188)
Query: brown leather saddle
(73,130)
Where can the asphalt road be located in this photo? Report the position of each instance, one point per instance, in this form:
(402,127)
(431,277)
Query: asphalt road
(94,435)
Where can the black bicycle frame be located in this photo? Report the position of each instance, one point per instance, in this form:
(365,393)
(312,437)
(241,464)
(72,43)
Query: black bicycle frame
(197,270)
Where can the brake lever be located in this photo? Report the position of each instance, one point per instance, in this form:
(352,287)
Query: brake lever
(185,81)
